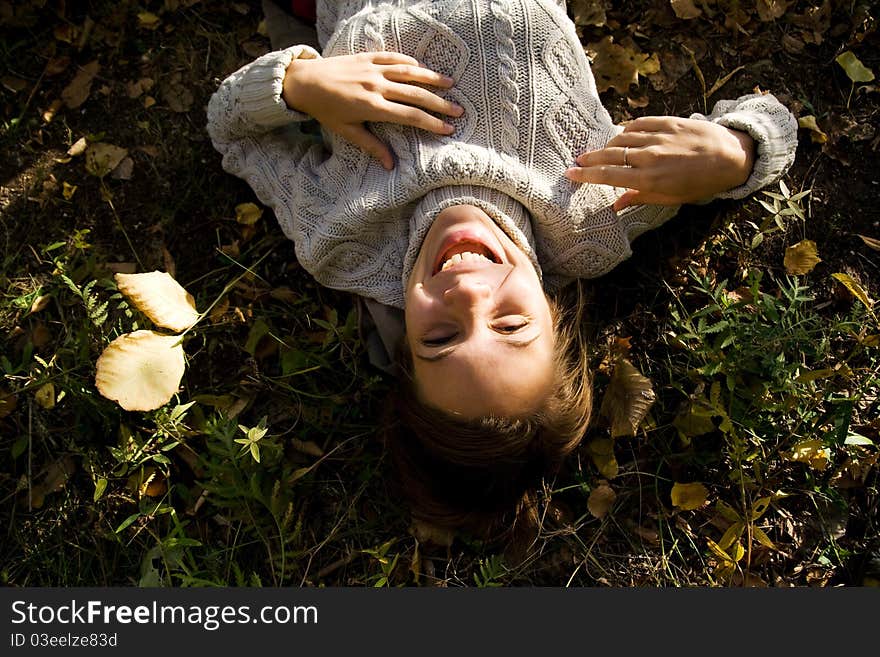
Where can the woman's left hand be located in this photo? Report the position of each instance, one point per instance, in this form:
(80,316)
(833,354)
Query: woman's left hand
(666,160)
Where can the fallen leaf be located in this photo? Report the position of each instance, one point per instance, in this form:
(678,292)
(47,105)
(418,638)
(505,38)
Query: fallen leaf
(50,113)
(618,67)
(769,10)
(801,258)
(307,447)
(54,479)
(159,297)
(8,403)
(78,147)
(627,399)
(138,88)
(601,499)
(102,158)
(76,93)
(57,65)
(816,134)
(141,371)
(148,20)
(587,12)
(601,451)
(685,9)
(67,190)
(45,396)
(123,170)
(813,452)
(40,303)
(688,497)
(855,70)
(871,242)
(247,214)
(855,289)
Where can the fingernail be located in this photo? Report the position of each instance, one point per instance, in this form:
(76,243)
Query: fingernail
(458,109)
(448,129)
(448,80)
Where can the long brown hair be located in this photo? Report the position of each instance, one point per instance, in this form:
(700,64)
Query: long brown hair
(482,476)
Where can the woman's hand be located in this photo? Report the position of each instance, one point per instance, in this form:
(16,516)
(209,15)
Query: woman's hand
(665,160)
(343,92)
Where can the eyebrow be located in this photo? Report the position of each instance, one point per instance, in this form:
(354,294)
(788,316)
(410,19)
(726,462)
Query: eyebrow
(518,344)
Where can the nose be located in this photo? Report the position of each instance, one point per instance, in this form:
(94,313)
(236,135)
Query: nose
(468,292)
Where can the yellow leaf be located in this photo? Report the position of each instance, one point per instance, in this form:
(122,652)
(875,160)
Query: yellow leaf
(816,134)
(627,399)
(45,395)
(718,551)
(159,297)
(248,214)
(148,20)
(813,452)
(760,507)
(807,377)
(762,538)
(141,371)
(601,500)
(733,533)
(853,286)
(68,190)
(854,68)
(801,258)
(78,147)
(688,497)
(601,450)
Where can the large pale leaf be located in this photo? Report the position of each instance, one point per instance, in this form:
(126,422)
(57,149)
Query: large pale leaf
(801,258)
(689,496)
(141,371)
(159,297)
(618,67)
(627,399)
(601,500)
(855,70)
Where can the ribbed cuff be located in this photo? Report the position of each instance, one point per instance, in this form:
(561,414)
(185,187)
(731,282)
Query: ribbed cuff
(262,86)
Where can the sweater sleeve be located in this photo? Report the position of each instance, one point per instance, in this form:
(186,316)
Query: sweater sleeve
(771,125)
(260,138)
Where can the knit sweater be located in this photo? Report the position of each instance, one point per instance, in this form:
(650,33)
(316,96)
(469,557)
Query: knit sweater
(531,106)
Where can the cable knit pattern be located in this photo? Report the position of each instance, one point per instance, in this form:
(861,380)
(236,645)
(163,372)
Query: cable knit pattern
(530,106)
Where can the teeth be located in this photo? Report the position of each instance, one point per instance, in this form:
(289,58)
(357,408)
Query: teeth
(466,256)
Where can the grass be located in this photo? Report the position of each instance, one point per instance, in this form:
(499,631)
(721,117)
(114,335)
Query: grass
(267,468)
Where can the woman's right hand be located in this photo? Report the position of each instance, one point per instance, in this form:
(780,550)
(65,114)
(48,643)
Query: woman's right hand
(343,92)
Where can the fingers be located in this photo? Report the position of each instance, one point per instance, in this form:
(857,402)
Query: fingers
(613,156)
(412,95)
(417,74)
(413,116)
(368,142)
(617,176)
(392,58)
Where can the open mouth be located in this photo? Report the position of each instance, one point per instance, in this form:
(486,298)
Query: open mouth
(465,251)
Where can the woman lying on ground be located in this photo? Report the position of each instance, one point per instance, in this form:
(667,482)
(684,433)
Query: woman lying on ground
(467,173)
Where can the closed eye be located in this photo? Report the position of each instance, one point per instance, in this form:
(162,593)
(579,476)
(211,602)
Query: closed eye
(438,342)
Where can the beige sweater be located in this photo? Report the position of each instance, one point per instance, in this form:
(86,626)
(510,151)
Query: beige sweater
(531,107)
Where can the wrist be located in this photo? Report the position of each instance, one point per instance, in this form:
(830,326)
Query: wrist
(742,154)
(294,87)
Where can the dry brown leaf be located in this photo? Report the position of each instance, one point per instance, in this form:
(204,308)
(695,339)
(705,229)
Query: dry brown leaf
(801,258)
(587,12)
(601,499)
(813,452)
(685,9)
(54,479)
(628,398)
(141,371)
(770,10)
(102,158)
(159,297)
(688,497)
(76,93)
(138,88)
(8,403)
(57,65)
(40,303)
(618,67)
(123,170)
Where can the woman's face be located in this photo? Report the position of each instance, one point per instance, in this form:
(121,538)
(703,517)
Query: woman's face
(477,322)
